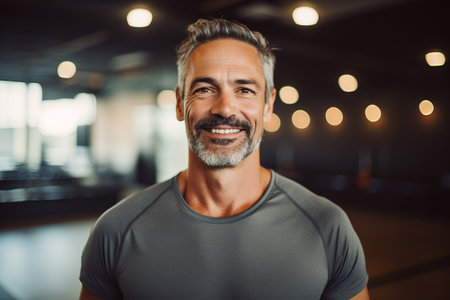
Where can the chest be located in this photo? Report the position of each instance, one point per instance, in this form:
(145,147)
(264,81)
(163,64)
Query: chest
(256,260)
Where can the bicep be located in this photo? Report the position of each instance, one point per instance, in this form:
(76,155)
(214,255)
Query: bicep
(87,294)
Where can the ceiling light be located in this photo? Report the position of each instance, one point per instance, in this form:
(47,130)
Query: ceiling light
(348,83)
(274,124)
(288,95)
(66,69)
(139,17)
(426,107)
(373,113)
(301,119)
(305,16)
(435,59)
(334,116)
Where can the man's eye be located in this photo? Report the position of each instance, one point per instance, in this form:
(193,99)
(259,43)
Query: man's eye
(202,90)
(246,91)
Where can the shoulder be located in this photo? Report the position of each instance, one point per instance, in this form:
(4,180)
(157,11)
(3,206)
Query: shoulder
(323,212)
(344,254)
(117,218)
(106,241)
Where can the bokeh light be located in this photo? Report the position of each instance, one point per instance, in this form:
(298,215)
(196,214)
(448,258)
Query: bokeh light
(334,116)
(166,99)
(274,124)
(435,59)
(66,69)
(348,83)
(373,113)
(288,95)
(305,16)
(139,17)
(301,119)
(426,107)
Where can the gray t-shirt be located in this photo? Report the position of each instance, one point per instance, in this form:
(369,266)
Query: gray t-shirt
(291,244)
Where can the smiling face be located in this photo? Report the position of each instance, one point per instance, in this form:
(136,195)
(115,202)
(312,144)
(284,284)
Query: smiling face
(224,106)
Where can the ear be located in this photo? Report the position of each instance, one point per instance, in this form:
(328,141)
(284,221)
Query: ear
(268,107)
(180,106)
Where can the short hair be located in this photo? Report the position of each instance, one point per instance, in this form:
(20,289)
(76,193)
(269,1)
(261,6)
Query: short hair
(206,30)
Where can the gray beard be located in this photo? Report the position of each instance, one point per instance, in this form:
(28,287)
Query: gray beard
(229,156)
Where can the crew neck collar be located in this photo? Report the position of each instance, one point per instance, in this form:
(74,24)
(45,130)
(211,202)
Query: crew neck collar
(222,220)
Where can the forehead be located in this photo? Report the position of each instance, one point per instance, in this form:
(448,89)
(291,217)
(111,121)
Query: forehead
(225,54)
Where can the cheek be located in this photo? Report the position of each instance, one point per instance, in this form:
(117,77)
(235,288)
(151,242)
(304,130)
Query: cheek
(193,113)
(255,114)
(188,118)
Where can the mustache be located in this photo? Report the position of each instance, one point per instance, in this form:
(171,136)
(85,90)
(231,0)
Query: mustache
(219,121)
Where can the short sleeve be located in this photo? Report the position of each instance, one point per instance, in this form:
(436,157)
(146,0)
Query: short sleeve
(347,274)
(98,259)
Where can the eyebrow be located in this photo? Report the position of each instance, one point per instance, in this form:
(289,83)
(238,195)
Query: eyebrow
(214,82)
(247,82)
(202,79)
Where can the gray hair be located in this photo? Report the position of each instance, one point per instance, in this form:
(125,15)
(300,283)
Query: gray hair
(204,30)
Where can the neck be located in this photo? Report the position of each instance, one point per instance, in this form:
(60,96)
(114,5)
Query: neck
(223,192)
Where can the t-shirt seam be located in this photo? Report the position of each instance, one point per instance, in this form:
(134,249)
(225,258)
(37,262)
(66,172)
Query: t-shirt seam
(316,226)
(127,228)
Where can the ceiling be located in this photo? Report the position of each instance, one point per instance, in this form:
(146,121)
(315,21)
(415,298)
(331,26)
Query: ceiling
(382,42)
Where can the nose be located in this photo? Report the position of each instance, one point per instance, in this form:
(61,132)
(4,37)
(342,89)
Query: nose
(224,105)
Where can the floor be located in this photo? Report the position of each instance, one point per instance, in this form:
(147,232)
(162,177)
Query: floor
(42,262)
(407,257)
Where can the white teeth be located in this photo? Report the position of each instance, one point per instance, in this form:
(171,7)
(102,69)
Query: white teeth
(224,131)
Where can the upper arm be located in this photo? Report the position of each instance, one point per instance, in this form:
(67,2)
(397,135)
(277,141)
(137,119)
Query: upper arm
(86,294)
(98,260)
(363,295)
(347,269)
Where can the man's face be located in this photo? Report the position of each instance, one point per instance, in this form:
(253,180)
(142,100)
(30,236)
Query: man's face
(224,107)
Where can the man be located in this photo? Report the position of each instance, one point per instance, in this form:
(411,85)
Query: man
(225,228)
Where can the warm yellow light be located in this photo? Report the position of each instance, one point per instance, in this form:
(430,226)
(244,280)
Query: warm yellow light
(66,69)
(274,124)
(305,16)
(301,119)
(348,83)
(166,99)
(288,94)
(334,116)
(435,59)
(139,17)
(426,107)
(373,113)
